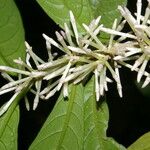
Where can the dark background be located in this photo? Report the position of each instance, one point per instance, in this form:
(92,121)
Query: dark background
(129,116)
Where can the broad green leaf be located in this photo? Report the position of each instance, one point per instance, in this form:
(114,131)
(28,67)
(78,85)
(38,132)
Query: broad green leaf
(11,33)
(9,123)
(8,130)
(96,118)
(64,126)
(77,123)
(84,10)
(143,143)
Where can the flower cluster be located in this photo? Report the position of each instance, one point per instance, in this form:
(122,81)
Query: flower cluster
(140,28)
(84,55)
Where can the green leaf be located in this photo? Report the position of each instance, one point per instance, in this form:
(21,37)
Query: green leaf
(9,122)
(76,123)
(84,10)
(96,118)
(9,130)
(143,143)
(11,33)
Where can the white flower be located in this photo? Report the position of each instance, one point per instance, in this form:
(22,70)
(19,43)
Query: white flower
(87,54)
(82,55)
(26,76)
(140,27)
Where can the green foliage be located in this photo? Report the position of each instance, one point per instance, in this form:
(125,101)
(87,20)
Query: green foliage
(83,10)
(8,129)
(9,123)
(76,123)
(143,143)
(11,47)
(11,33)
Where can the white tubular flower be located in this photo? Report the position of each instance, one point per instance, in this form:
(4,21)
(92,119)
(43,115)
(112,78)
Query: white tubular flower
(83,55)
(28,74)
(37,96)
(97,84)
(140,27)
(4,108)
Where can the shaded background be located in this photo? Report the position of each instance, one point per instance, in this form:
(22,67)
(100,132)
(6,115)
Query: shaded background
(129,116)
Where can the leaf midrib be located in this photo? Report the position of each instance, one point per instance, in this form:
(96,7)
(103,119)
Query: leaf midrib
(68,115)
(95,119)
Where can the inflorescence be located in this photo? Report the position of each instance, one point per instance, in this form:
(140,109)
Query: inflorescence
(84,55)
